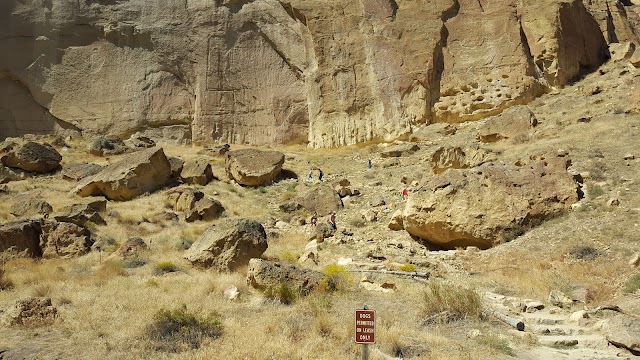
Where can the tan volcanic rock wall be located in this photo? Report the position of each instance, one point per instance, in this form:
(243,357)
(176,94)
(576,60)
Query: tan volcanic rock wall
(330,73)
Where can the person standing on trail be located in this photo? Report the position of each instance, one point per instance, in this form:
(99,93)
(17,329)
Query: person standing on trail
(310,176)
(320,174)
(314,219)
(405,193)
(369,165)
(332,220)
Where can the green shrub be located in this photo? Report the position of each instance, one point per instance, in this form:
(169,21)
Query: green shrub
(632,284)
(407,268)
(442,297)
(289,257)
(594,191)
(336,278)
(262,190)
(164,267)
(282,293)
(179,329)
(5,282)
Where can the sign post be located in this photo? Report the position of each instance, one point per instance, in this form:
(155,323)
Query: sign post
(365,329)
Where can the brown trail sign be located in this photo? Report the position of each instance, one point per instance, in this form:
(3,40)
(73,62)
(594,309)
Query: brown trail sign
(365,327)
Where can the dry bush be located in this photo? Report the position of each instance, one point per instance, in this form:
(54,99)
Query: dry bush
(633,284)
(282,293)
(5,282)
(164,267)
(440,297)
(41,290)
(336,278)
(180,330)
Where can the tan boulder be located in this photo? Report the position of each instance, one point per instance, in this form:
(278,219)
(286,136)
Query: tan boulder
(445,158)
(624,331)
(253,167)
(621,51)
(263,274)
(395,223)
(489,203)
(136,174)
(516,121)
(132,247)
(29,156)
(205,209)
(321,199)
(196,172)
(107,145)
(228,245)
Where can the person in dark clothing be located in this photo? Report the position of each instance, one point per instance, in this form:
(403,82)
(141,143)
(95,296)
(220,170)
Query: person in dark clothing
(369,165)
(320,174)
(314,219)
(332,220)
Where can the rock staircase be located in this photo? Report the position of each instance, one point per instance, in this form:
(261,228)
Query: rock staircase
(559,334)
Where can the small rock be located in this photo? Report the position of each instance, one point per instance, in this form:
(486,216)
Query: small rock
(385,287)
(534,306)
(613,202)
(395,223)
(107,145)
(628,157)
(578,315)
(370,215)
(345,261)
(231,293)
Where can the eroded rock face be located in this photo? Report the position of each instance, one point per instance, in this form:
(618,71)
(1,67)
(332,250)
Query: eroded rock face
(264,71)
(263,274)
(252,167)
(30,207)
(64,240)
(229,245)
(77,172)
(514,122)
(482,205)
(624,331)
(445,158)
(21,239)
(321,199)
(136,174)
(29,156)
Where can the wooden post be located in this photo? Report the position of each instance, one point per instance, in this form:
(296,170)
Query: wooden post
(365,347)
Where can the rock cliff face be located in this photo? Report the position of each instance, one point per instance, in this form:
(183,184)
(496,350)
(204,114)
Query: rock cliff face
(330,73)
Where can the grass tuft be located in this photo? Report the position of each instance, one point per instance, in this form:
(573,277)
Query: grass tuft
(632,285)
(282,293)
(407,268)
(440,297)
(164,267)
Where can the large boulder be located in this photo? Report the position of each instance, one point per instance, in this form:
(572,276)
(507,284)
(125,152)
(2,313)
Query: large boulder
(196,172)
(253,167)
(455,157)
(195,205)
(263,274)
(84,212)
(21,239)
(30,207)
(29,156)
(64,240)
(322,199)
(483,205)
(136,174)
(229,245)
(514,122)
(624,331)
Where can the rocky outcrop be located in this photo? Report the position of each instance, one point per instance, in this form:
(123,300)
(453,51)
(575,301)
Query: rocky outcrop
(229,245)
(264,71)
(489,203)
(399,150)
(252,167)
(31,311)
(263,274)
(445,158)
(29,156)
(131,248)
(77,172)
(134,175)
(30,207)
(107,145)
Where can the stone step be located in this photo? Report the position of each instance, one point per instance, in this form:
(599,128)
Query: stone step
(557,330)
(543,320)
(583,341)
